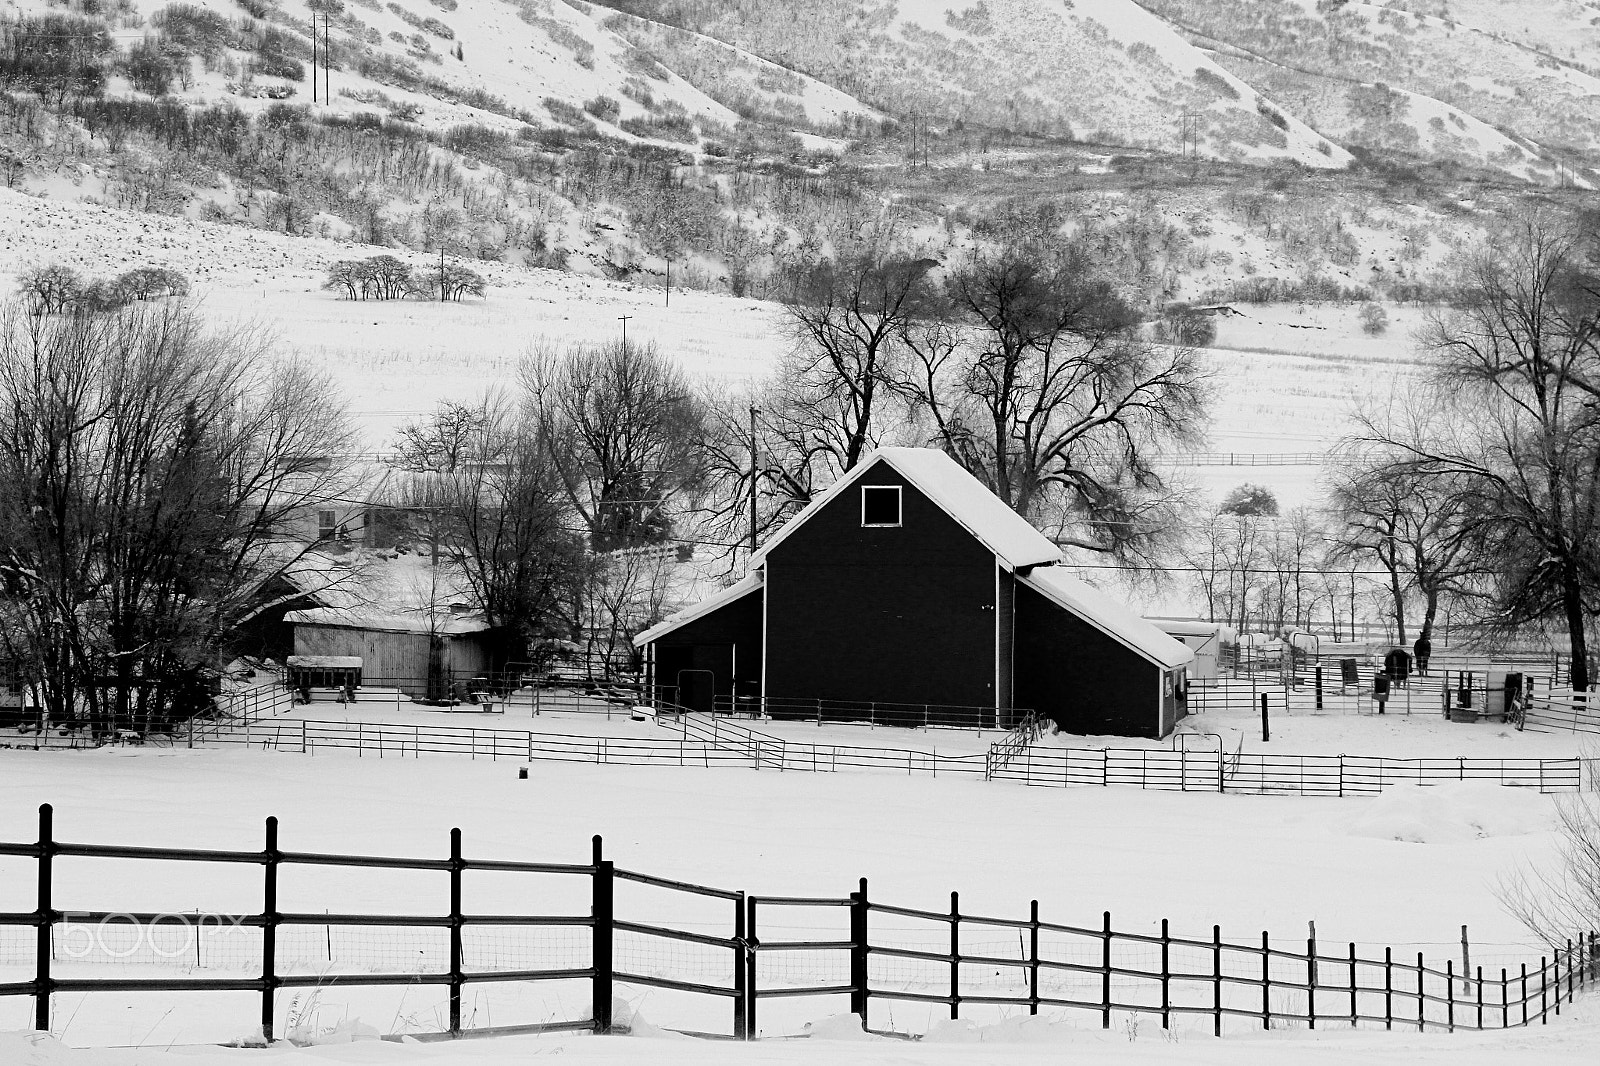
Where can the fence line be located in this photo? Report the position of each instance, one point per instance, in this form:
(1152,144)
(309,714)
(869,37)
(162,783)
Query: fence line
(990,961)
(1567,712)
(729,745)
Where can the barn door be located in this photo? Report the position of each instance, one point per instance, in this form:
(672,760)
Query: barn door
(694,675)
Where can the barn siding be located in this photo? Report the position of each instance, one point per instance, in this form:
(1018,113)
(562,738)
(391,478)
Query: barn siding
(388,657)
(736,624)
(1087,682)
(902,614)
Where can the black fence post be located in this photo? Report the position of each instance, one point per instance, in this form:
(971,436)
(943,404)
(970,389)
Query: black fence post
(1105,974)
(456,979)
(1480,997)
(1422,1001)
(44,915)
(1388,988)
(1033,957)
(602,913)
(1319,686)
(740,990)
(1266,981)
(1544,984)
(1216,980)
(1450,995)
(1311,982)
(955,955)
(1524,993)
(752,946)
(1354,1014)
(269,928)
(859,952)
(1166,977)
(1266,730)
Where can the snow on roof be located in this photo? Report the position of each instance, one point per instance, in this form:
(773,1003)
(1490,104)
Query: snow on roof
(323,662)
(956,492)
(738,589)
(1180,627)
(390,622)
(1109,616)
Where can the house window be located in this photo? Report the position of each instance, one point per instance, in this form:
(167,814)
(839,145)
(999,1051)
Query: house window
(880,505)
(327,524)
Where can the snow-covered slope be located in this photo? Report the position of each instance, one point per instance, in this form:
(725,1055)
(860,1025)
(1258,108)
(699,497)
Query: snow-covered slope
(1107,70)
(1527,69)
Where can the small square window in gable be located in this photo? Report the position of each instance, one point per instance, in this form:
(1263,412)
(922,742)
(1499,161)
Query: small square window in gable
(880,505)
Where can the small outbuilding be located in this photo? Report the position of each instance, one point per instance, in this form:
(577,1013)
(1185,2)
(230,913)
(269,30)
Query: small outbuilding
(1206,639)
(909,582)
(418,653)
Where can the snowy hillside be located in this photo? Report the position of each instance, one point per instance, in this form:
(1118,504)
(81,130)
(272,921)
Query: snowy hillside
(1526,69)
(1107,71)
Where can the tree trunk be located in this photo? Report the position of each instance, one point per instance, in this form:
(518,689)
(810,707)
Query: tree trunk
(1572,603)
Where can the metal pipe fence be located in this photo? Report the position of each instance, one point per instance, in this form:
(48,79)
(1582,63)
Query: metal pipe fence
(873,953)
(709,741)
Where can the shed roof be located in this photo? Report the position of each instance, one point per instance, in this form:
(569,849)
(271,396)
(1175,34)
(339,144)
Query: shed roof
(743,587)
(388,622)
(960,495)
(1109,616)
(323,662)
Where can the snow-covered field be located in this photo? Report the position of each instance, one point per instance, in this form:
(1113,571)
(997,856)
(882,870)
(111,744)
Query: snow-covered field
(1405,870)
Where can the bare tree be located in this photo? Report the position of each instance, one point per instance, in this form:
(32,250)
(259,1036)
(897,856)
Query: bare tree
(846,321)
(1510,420)
(152,475)
(1417,527)
(1037,383)
(620,427)
(508,531)
(1562,902)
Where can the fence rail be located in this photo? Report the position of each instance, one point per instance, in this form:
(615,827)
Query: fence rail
(1569,712)
(872,712)
(886,954)
(720,743)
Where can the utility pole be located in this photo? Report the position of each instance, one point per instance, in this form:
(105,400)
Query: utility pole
(441,270)
(754,471)
(313,57)
(327,59)
(624,320)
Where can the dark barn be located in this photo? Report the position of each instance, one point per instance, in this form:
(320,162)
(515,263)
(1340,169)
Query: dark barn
(908,582)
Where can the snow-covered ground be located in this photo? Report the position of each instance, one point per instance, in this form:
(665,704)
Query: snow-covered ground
(1407,869)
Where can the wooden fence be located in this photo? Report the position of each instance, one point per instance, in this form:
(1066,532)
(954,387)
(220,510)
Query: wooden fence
(875,957)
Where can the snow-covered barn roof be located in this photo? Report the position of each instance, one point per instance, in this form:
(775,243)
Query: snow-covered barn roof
(743,587)
(1109,616)
(960,495)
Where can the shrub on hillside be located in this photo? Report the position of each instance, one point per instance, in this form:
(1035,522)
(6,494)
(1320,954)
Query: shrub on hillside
(195,30)
(256,9)
(150,68)
(1374,319)
(604,108)
(1183,325)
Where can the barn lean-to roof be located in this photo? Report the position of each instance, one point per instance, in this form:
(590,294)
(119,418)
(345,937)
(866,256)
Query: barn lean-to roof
(1107,615)
(963,497)
(739,589)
